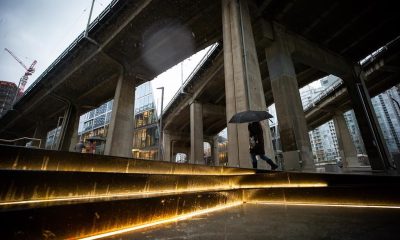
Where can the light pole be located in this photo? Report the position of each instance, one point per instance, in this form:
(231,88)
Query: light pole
(161,126)
(88,22)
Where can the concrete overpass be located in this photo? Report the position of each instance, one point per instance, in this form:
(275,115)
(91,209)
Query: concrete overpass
(207,87)
(295,42)
(137,40)
(382,73)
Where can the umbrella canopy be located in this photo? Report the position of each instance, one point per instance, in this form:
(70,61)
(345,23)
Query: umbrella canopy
(95,138)
(250,116)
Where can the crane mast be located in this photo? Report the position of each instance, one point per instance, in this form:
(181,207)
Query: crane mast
(24,79)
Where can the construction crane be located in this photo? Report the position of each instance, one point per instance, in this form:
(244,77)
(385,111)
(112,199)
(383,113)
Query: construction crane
(24,79)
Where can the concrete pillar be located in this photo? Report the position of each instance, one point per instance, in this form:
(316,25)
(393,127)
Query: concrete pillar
(295,140)
(243,86)
(215,150)
(120,131)
(41,131)
(68,127)
(167,146)
(196,133)
(347,149)
(74,136)
(374,142)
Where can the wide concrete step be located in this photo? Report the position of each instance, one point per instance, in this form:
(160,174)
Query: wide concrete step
(83,219)
(70,197)
(74,221)
(21,158)
(26,188)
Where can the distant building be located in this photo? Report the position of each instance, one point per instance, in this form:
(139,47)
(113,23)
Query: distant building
(355,133)
(386,106)
(323,138)
(7,93)
(95,123)
(52,138)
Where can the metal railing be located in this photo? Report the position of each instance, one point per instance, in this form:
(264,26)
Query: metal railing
(192,74)
(23,138)
(323,94)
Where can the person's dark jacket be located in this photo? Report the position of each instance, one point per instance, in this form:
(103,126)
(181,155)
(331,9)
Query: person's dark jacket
(255,131)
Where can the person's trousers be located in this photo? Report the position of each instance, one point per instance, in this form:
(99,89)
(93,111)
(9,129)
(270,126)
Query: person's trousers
(263,157)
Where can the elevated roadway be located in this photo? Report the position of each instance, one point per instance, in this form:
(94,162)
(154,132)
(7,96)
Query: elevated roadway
(208,87)
(139,40)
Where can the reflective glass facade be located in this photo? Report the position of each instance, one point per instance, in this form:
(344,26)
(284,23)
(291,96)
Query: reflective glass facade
(146,135)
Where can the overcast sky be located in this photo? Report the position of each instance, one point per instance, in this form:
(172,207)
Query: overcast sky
(42,29)
(39,30)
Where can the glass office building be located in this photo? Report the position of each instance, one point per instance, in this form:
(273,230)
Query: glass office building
(145,140)
(95,123)
(146,134)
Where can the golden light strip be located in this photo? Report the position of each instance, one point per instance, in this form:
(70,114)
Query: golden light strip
(156,193)
(145,171)
(164,221)
(324,204)
(285,185)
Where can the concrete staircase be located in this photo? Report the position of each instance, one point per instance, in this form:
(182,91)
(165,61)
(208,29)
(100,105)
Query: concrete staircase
(62,195)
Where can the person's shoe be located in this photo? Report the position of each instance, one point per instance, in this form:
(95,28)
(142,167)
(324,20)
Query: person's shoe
(274,167)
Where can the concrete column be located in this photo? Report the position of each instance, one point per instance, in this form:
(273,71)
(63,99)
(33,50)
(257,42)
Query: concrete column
(215,150)
(173,158)
(167,147)
(74,136)
(347,149)
(196,133)
(295,140)
(68,128)
(120,131)
(41,131)
(374,142)
(243,86)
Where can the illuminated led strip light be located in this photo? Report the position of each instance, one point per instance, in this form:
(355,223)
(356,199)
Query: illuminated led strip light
(164,221)
(157,193)
(325,204)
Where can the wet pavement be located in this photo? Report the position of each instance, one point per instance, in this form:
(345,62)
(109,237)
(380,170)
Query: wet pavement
(259,221)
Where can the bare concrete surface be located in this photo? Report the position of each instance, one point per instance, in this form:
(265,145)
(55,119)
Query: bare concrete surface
(258,221)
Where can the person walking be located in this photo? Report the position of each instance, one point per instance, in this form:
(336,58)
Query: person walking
(79,146)
(257,145)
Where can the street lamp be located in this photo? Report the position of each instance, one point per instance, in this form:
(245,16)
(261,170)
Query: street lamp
(161,126)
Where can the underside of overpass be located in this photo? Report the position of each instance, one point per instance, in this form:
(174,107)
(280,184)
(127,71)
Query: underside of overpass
(144,38)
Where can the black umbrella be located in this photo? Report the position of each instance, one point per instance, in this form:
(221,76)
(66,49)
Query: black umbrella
(250,116)
(95,138)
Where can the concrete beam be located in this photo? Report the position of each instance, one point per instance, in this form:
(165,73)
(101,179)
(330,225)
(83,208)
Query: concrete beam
(313,55)
(214,110)
(199,88)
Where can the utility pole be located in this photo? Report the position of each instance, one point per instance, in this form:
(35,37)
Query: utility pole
(160,155)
